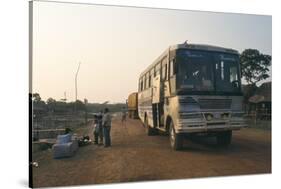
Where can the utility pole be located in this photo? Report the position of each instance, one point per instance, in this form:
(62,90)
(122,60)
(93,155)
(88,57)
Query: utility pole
(86,111)
(76,84)
(64,99)
(65,96)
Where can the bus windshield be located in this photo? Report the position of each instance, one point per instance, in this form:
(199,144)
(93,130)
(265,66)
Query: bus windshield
(208,71)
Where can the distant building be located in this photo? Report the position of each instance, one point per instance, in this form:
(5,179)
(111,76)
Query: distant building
(260,102)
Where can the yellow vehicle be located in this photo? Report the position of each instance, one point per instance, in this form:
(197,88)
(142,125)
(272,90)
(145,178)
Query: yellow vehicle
(133,105)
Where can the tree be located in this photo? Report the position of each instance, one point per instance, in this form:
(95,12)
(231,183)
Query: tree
(36,97)
(50,101)
(79,105)
(51,104)
(254,65)
(37,101)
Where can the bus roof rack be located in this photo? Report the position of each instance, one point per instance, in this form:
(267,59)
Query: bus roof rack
(203,47)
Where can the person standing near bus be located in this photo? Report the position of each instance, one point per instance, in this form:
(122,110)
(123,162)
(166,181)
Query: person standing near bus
(106,123)
(96,129)
(99,118)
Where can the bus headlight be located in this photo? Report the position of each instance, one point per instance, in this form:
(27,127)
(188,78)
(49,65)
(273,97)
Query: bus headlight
(225,115)
(208,117)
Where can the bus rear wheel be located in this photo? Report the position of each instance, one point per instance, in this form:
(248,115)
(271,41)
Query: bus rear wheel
(149,130)
(176,139)
(224,138)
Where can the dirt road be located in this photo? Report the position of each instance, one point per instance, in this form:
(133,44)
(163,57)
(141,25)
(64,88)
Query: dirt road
(137,157)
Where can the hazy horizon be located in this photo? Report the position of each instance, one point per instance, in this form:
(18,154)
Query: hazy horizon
(115,44)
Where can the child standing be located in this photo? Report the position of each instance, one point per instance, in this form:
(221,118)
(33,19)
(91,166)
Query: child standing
(96,130)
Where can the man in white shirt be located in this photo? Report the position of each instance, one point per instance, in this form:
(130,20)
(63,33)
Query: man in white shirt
(106,123)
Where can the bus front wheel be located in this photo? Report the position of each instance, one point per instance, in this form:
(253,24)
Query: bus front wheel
(176,139)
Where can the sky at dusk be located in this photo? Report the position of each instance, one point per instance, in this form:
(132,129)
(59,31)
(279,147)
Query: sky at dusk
(115,44)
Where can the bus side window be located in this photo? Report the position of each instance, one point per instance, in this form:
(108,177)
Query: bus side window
(144,83)
(171,68)
(157,69)
(164,72)
(141,84)
(164,68)
(147,80)
(151,74)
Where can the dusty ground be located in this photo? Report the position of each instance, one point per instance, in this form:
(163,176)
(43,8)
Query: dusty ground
(137,157)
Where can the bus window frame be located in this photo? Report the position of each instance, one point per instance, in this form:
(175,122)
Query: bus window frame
(144,81)
(164,68)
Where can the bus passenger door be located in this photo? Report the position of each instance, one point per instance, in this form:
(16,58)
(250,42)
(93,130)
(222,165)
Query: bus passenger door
(155,99)
(156,89)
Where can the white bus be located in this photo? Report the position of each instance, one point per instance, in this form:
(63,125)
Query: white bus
(192,89)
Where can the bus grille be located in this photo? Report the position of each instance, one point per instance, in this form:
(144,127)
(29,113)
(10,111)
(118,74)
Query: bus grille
(187,100)
(215,103)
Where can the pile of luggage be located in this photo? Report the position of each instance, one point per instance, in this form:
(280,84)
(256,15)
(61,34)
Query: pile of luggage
(65,146)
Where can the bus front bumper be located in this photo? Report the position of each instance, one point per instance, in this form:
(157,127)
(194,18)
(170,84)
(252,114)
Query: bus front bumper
(203,126)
